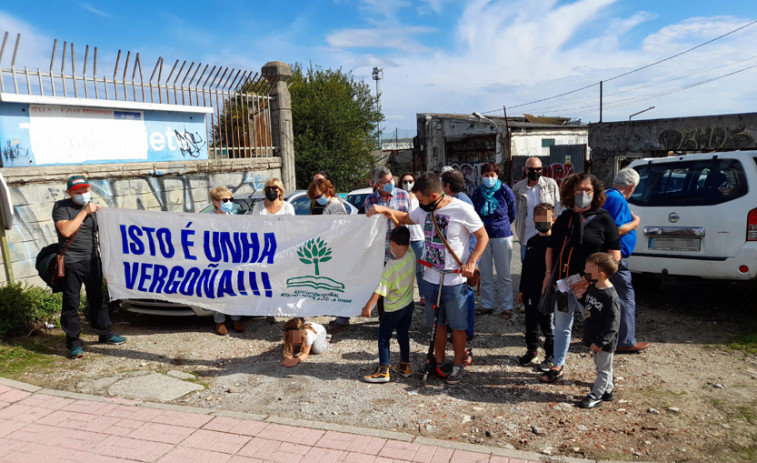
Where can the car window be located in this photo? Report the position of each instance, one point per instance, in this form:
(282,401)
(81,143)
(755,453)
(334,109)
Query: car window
(690,183)
(301,205)
(357,200)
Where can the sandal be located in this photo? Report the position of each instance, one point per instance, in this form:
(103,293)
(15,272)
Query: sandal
(484,311)
(507,314)
(551,376)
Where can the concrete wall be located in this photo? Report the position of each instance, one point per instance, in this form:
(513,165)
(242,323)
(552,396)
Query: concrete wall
(169,186)
(529,143)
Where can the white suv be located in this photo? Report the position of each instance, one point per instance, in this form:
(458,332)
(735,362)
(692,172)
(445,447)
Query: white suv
(698,216)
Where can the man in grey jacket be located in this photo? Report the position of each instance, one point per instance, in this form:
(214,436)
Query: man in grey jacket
(529,192)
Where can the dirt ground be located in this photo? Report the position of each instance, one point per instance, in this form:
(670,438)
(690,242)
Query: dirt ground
(687,399)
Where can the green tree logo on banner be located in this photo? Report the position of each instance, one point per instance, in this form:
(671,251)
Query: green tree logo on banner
(315,251)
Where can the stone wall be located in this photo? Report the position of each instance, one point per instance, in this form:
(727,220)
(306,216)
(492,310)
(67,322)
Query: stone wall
(165,186)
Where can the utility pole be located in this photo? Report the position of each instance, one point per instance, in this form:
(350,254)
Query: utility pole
(378,74)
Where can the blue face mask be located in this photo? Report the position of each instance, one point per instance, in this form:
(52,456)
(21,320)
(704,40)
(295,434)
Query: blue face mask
(229,207)
(83,199)
(389,187)
(490,182)
(322,200)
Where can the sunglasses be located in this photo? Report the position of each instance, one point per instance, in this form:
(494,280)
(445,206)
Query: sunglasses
(225,200)
(534,169)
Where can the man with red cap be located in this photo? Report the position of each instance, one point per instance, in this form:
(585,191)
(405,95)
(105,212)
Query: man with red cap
(75,221)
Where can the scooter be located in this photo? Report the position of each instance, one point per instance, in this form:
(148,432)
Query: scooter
(432,366)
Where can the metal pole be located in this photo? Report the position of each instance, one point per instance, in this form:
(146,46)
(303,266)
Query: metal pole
(642,111)
(600,101)
(6,256)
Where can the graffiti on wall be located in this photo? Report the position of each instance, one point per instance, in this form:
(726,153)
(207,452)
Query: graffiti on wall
(558,172)
(710,138)
(472,173)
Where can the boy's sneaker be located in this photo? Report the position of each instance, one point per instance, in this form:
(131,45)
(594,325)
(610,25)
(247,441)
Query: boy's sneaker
(546,364)
(456,375)
(528,359)
(113,340)
(444,370)
(608,397)
(590,402)
(381,375)
(75,353)
(402,369)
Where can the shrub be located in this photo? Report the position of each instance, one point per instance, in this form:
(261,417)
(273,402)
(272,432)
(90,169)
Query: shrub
(21,306)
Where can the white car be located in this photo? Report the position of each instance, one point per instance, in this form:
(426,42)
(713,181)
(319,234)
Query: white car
(698,216)
(357,198)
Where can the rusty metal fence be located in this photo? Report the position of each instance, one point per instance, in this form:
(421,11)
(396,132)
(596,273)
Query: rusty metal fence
(239,125)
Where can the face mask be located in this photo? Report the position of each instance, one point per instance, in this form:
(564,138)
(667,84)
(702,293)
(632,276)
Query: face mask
(271,195)
(431,206)
(389,187)
(543,227)
(322,200)
(533,175)
(583,200)
(490,182)
(83,199)
(407,186)
(228,207)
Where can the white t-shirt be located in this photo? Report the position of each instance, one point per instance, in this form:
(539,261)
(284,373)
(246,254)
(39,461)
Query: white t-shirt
(316,340)
(533,197)
(259,209)
(457,221)
(416,231)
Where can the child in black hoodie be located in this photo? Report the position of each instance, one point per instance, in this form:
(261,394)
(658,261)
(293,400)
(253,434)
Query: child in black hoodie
(602,312)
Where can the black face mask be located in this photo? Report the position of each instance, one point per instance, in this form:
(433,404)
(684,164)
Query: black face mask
(533,175)
(271,195)
(543,227)
(431,206)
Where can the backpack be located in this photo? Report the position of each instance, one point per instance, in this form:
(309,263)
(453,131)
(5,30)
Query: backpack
(46,259)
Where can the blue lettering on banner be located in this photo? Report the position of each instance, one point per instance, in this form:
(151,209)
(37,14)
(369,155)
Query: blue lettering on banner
(234,247)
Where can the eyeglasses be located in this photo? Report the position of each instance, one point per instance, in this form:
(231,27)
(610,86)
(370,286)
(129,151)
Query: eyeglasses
(386,182)
(584,190)
(225,200)
(534,169)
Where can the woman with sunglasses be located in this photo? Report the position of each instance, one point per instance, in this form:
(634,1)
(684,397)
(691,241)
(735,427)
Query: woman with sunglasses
(274,203)
(322,192)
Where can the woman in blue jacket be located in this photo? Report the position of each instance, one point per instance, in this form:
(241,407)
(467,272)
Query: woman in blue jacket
(495,203)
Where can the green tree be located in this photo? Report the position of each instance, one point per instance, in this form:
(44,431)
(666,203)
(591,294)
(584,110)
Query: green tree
(334,121)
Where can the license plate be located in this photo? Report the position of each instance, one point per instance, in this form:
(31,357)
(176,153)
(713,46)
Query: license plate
(678,243)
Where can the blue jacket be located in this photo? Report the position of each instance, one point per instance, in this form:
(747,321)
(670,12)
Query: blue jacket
(617,206)
(498,224)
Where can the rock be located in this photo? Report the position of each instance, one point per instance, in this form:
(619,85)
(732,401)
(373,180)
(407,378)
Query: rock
(718,386)
(180,375)
(509,446)
(725,425)
(653,411)
(547,451)
(619,378)
(673,409)
(467,418)
(581,427)
(537,430)
(622,401)
(234,390)
(621,410)
(576,449)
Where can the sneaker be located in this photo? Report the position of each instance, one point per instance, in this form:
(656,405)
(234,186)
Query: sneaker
(528,359)
(402,369)
(546,364)
(75,353)
(221,329)
(456,375)
(608,397)
(381,375)
(444,370)
(113,340)
(238,326)
(589,402)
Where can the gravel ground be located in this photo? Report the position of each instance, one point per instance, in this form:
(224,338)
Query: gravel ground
(686,399)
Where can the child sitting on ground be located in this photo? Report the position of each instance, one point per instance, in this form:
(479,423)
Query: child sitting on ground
(310,337)
(532,276)
(396,287)
(602,312)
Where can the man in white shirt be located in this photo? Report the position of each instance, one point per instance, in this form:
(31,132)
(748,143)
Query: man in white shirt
(529,192)
(457,221)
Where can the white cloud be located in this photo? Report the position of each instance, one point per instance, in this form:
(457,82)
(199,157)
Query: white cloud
(93,10)
(397,38)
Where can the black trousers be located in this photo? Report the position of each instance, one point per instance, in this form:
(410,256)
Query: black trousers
(535,322)
(88,273)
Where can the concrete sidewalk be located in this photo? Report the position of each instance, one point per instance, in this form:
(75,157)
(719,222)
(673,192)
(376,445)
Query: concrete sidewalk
(43,425)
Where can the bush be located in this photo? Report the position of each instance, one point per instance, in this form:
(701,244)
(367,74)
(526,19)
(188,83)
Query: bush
(21,306)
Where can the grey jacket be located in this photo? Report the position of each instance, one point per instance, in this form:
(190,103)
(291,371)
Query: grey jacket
(548,191)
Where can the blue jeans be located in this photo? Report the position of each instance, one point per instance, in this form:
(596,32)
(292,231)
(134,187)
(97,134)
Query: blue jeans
(418,248)
(219,317)
(398,320)
(498,253)
(454,301)
(622,282)
(471,303)
(564,329)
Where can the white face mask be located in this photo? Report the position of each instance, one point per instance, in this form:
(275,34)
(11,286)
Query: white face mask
(407,185)
(83,199)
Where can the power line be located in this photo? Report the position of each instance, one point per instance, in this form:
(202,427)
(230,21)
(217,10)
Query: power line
(632,71)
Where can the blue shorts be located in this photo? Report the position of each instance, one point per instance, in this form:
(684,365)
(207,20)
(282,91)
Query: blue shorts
(454,301)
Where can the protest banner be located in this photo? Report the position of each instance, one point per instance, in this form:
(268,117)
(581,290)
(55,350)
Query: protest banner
(243,265)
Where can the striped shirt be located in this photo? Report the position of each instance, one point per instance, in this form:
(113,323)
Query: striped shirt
(396,283)
(399,201)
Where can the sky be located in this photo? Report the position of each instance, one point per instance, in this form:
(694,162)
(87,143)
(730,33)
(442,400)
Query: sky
(438,56)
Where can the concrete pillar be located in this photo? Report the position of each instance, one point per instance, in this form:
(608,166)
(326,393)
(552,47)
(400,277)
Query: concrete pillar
(281,118)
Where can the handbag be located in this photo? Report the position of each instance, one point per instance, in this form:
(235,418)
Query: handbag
(549,298)
(474,279)
(50,264)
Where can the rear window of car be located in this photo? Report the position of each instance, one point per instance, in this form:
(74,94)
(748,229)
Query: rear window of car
(358,200)
(689,183)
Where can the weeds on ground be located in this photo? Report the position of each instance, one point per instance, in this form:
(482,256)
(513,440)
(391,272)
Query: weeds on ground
(21,306)
(26,355)
(746,343)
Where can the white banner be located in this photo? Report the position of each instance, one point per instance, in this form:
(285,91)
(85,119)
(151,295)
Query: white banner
(244,265)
